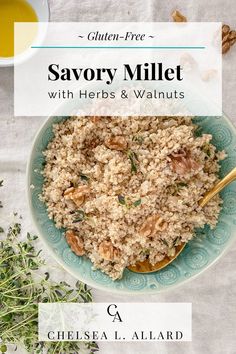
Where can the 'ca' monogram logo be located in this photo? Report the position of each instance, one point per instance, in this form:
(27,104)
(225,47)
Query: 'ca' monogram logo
(111,310)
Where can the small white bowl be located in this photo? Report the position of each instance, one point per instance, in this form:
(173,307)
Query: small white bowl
(41,8)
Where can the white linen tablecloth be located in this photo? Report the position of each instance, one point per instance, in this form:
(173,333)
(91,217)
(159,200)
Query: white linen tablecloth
(213,294)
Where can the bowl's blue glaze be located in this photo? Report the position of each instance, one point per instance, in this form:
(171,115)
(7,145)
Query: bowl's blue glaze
(198,255)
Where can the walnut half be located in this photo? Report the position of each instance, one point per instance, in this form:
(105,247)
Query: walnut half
(116,143)
(228,38)
(95,119)
(77,195)
(152,225)
(75,242)
(178,17)
(182,162)
(108,251)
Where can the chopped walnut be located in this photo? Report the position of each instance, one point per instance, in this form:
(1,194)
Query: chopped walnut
(232,37)
(68,192)
(178,17)
(225,30)
(108,251)
(228,38)
(182,162)
(116,143)
(152,225)
(75,242)
(208,75)
(95,119)
(77,195)
(187,62)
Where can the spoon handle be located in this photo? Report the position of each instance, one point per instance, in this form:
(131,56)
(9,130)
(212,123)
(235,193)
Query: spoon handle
(230,177)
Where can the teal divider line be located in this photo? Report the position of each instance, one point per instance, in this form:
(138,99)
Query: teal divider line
(116,47)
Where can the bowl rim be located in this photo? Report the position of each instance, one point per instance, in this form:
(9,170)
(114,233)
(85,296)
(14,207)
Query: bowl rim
(81,278)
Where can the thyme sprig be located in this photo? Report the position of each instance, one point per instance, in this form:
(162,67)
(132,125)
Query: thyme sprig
(22,287)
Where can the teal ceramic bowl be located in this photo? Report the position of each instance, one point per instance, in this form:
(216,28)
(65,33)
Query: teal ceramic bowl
(201,252)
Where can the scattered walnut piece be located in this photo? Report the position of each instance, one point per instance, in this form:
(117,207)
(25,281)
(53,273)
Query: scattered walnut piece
(108,251)
(225,47)
(232,37)
(116,143)
(75,242)
(178,17)
(188,62)
(228,38)
(182,162)
(95,119)
(225,30)
(68,192)
(208,75)
(77,195)
(153,224)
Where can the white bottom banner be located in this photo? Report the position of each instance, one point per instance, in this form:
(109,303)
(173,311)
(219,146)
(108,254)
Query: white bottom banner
(115,322)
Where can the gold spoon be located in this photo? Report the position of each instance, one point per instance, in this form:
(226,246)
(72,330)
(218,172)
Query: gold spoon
(146,267)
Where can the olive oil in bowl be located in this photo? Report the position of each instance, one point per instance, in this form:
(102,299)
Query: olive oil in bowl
(14,11)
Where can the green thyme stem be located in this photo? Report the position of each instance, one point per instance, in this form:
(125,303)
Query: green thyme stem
(20,323)
(12,277)
(16,289)
(18,297)
(9,257)
(15,312)
(54,351)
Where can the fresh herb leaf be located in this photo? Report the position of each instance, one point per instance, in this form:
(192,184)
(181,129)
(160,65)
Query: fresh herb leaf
(121,199)
(14,231)
(30,237)
(77,220)
(176,241)
(1,183)
(126,201)
(165,242)
(182,184)
(133,160)
(137,202)
(84,177)
(174,189)
(92,346)
(207,149)
(138,139)
(133,166)
(1,230)
(3,348)
(146,251)
(79,216)
(135,155)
